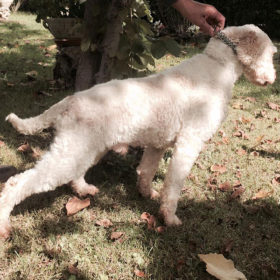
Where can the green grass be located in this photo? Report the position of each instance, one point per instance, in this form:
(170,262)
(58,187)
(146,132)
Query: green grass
(45,242)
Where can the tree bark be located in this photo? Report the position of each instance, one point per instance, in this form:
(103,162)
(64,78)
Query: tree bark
(111,41)
(89,63)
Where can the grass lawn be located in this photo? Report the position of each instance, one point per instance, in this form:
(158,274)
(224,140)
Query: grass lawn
(47,244)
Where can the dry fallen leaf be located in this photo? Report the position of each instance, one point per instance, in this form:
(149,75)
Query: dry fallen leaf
(255,153)
(276,180)
(218,168)
(241,134)
(250,99)
(221,268)
(212,183)
(273,106)
(226,186)
(259,140)
(262,194)
(150,219)
(238,106)
(238,191)
(160,229)
(139,273)
(225,140)
(73,269)
(116,235)
(74,205)
(106,223)
(244,120)
(52,47)
(241,152)
(24,148)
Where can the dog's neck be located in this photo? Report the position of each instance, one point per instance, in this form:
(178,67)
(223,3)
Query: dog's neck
(224,55)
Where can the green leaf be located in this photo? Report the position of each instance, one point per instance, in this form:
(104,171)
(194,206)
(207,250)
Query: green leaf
(124,48)
(137,46)
(147,59)
(158,49)
(145,27)
(136,63)
(172,46)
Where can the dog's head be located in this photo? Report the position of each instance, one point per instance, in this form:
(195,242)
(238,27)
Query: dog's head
(255,52)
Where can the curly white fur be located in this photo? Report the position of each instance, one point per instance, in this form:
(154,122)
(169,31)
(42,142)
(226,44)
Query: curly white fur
(181,107)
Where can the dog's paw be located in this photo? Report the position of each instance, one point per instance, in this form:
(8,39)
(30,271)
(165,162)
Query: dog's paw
(88,190)
(170,219)
(5,230)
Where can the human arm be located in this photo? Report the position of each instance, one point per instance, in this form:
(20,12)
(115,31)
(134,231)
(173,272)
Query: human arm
(203,15)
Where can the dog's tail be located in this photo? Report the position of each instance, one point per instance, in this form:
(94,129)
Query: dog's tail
(36,124)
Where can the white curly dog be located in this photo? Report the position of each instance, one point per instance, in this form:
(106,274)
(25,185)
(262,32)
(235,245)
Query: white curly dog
(181,107)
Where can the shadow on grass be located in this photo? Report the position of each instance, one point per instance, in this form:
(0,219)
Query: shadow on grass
(247,233)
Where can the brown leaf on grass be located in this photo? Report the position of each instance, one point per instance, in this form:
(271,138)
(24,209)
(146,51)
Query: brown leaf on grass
(238,191)
(212,183)
(74,205)
(106,223)
(241,134)
(252,127)
(238,106)
(222,133)
(262,194)
(255,153)
(259,140)
(24,148)
(139,273)
(73,269)
(276,180)
(193,178)
(250,99)
(51,48)
(116,236)
(218,168)
(160,229)
(224,187)
(221,268)
(273,106)
(225,140)
(10,84)
(241,152)
(244,120)
(238,174)
(261,114)
(276,120)
(150,219)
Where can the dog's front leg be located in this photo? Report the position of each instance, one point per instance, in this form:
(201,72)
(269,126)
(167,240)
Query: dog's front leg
(185,153)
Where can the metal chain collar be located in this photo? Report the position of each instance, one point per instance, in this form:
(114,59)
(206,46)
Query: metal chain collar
(220,35)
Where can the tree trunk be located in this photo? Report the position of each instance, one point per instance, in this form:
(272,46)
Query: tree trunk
(89,63)
(111,40)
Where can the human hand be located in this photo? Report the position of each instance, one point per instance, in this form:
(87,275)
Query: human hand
(207,17)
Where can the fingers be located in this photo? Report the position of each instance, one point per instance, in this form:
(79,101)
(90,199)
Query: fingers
(213,21)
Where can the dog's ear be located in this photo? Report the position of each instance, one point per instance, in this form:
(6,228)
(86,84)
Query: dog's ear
(247,47)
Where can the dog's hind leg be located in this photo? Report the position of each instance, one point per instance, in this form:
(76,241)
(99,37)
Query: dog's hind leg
(146,171)
(185,153)
(62,164)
